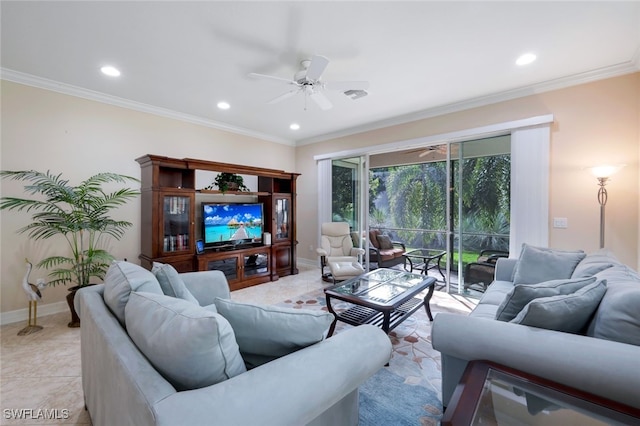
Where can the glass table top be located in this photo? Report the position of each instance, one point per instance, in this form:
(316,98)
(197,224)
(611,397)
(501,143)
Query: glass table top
(507,400)
(380,285)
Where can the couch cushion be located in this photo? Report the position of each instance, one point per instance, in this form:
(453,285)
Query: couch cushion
(539,264)
(617,317)
(522,294)
(569,313)
(121,279)
(485,310)
(496,293)
(189,345)
(271,331)
(384,242)
(171,283)
(373,237)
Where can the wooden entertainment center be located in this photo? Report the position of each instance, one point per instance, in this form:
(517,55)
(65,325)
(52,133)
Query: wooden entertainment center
(169,229)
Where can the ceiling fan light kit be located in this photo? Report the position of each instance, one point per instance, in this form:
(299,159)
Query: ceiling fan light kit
(307,81)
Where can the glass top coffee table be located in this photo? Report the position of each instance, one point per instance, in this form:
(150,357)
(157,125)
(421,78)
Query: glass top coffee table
(492,394)
(383,297)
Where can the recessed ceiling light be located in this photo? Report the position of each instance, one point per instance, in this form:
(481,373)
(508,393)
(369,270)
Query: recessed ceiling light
(294,126)
(224,105)
(526,59)
(110,71)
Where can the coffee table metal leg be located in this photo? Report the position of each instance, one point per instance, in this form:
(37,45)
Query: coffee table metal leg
(332,328)
(386,320)
(427,299)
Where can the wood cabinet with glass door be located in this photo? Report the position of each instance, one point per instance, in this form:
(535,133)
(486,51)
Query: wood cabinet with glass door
(280,222)
(168,199)
(168,228)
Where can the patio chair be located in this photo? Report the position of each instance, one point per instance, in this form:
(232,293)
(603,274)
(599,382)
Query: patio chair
(481,271)
(337,251)
(383,251)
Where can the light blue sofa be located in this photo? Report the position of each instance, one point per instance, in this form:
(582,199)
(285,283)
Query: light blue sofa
(602,361)
(316,385)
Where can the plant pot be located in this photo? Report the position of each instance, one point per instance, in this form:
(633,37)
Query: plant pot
(75,319)
(232,186)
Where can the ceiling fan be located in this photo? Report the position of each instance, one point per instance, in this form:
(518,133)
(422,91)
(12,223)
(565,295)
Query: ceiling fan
(433,149)
(307,81)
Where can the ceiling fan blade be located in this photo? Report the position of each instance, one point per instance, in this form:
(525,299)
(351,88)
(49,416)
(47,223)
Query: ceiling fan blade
(317,67)
(321,100)
(343,86)
(284,96)
(270,77)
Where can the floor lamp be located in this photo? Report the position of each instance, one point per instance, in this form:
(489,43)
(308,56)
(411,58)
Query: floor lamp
(603,173)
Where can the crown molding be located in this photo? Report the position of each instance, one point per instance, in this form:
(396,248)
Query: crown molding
(560,83)
(68,89)
(546,86)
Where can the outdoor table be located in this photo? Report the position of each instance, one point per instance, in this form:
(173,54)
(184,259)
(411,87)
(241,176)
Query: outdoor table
(425,259)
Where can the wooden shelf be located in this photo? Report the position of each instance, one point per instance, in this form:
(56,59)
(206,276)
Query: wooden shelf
(218,192)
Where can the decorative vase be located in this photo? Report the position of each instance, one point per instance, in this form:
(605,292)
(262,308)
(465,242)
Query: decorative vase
(75,319)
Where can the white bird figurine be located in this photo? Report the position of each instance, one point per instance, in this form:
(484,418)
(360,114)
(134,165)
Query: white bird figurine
(33,294)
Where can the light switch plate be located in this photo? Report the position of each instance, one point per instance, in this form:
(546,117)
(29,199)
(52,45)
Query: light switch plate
(560,222)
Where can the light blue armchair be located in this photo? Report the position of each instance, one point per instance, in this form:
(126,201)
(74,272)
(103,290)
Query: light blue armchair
(316,385)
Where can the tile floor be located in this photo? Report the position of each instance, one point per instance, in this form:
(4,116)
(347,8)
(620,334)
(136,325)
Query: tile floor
(40,377)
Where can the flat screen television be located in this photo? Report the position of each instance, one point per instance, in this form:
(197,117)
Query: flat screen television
(232,223)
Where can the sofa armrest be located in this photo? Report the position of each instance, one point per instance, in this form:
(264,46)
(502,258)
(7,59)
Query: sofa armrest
(399,244)
(292,390)
(504,269)
(207,285)
(598,366)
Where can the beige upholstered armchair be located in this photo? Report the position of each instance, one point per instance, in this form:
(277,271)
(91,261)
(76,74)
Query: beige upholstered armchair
(337,251)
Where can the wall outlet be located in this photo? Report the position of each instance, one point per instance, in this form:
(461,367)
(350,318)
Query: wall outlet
(560,222)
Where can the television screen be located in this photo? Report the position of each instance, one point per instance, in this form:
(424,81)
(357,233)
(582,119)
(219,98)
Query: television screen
(232,223)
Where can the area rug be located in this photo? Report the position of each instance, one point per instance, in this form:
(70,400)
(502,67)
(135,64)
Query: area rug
(408,391)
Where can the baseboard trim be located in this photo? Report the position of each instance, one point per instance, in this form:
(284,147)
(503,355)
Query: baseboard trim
(308,262)
(23,314)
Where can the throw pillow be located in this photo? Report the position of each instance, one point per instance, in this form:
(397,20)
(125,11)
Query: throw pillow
(384,242)
(590,270)
(171,283)
(594,263)
(270,331)
(521,294)
(190,346)
(617,316)
(539,264)
(569,313)
(121,279)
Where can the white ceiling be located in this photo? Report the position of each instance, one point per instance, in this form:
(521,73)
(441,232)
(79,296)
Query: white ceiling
(420,57)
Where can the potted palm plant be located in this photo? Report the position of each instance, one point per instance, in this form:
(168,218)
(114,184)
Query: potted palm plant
(80,214)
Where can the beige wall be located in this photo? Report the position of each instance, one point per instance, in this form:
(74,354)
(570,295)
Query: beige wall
(44,130)
(594,123)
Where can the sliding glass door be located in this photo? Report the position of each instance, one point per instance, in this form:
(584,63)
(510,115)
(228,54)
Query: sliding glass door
(349,196)
(480,210)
